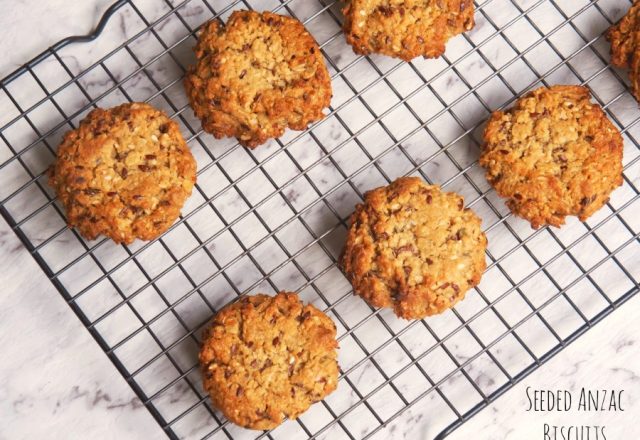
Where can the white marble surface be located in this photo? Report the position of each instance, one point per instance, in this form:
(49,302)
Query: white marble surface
(56,382)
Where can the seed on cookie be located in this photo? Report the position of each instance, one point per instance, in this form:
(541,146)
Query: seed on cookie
(265,358)
(625,45)
(407,28)
(256,76)
(413,248)
(553,154)
(125,172)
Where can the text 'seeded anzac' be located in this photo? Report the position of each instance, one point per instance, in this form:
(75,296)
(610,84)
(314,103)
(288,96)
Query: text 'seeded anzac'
(587,400)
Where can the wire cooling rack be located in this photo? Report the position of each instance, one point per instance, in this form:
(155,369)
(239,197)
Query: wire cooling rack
(275,218)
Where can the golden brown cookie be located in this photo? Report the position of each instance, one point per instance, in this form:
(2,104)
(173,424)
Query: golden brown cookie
(553,154)
(125,172)
(405,28)
(256,76)
(414,248)
(265,358)
(624,37)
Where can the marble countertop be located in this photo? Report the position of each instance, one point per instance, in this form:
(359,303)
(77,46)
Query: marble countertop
(55,381)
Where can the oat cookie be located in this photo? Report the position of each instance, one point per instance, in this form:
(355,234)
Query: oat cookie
(553,154)
(256,76)
(413,248)
(265,358)
(125,172)
(405,28)
(625,51)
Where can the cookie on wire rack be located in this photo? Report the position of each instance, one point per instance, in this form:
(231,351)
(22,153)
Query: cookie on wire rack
(405,29)
(625,45)
(553,154)
(265,358)
(125,172)
(256,76)
(413,248)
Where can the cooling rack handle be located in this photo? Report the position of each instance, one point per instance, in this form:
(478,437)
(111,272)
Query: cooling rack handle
(97,31)
(60,44)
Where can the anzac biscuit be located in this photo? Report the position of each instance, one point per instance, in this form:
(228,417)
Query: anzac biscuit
(625,38)
(266,358)
(553,154)
(405,28)
(256,76)
(414,248)
(125,172)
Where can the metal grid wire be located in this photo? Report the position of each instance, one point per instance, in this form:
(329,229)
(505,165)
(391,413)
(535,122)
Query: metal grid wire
(275,218)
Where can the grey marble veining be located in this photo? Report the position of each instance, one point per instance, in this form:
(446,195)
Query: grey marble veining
(295,235)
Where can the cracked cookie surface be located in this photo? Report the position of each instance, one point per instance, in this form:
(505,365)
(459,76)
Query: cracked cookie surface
(413,248)
(265,358)
(125,172)
(257,75)
(625,49)
(553,154)
(405,28)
